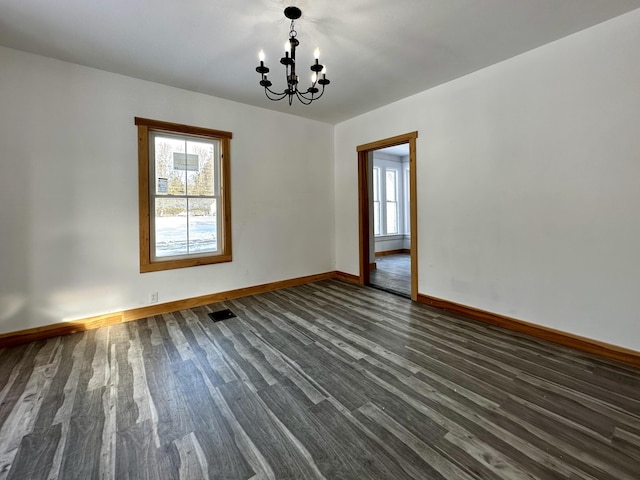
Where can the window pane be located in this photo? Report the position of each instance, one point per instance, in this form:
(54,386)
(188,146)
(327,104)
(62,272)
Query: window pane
(391,186)
(170,173)
(171,227)
(200,168)
(376,218)
(376,184)
(392,217)
(407,203)
(203,235)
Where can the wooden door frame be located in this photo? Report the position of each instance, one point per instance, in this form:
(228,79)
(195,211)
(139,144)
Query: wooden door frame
(364,211)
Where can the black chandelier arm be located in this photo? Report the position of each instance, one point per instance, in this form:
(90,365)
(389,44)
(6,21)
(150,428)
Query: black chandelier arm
(313,95)
(275,96)
(312,98)
(302,99)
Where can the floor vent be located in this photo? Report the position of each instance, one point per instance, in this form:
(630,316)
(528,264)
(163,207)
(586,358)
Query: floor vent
(222,315)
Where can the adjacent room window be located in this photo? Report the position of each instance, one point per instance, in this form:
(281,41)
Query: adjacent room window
(376,200)
(390,192)
(407,199)
(185,211)
(391,201)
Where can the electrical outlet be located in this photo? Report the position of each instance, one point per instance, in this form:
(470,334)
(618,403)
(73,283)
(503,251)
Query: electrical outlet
(153,297)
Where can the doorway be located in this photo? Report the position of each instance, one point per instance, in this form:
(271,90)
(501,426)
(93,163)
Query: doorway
(392,269)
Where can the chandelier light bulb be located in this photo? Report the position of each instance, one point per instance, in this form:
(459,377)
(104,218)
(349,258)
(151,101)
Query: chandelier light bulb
(316,53)
(287,46)
(314,77)
(261,55)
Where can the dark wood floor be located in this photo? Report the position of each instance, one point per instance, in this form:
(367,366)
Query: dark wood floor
(393,273)
(328,380)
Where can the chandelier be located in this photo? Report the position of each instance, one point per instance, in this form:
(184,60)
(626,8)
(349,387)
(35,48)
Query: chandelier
(289,61)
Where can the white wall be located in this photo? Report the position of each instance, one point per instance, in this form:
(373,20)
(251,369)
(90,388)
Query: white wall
(68,192)
(528,184)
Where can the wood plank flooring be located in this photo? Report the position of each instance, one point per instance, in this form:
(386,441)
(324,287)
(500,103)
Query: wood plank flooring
(328,380)
(393,273)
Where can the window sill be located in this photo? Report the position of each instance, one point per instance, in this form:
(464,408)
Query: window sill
(183,263)
(395,236)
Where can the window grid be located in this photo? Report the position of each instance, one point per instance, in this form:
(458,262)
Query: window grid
(170,156)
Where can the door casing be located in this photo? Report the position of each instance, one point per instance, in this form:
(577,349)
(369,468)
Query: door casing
(364,221)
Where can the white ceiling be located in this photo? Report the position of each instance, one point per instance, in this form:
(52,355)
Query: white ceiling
(397,150)
(376,51)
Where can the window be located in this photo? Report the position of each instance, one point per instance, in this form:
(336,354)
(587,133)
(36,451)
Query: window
(185,211)
(407,199)
(376,200)
(390,190)
(391,202)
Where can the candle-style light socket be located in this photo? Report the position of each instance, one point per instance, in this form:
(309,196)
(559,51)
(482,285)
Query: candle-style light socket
(286,60)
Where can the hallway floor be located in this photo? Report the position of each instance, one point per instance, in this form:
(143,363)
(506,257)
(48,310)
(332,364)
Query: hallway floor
(393,274)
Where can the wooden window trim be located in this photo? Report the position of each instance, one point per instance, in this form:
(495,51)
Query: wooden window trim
(145,126)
